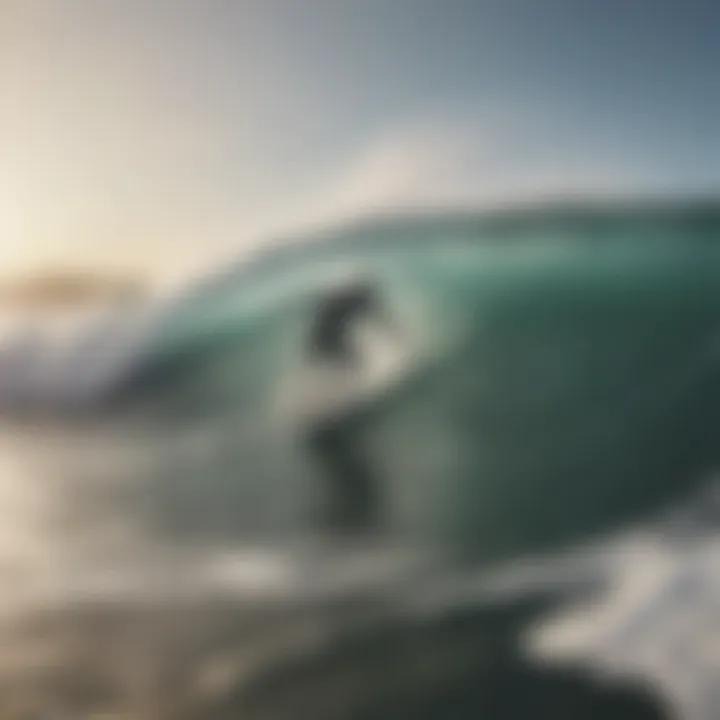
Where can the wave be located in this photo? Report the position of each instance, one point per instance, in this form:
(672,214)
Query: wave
(560,382)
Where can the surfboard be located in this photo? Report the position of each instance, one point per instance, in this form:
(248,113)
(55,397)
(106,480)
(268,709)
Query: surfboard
(320,391)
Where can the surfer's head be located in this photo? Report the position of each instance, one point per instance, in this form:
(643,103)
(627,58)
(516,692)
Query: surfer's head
(336,311)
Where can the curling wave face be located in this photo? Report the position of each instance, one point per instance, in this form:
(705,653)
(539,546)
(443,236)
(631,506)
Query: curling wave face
(560,379)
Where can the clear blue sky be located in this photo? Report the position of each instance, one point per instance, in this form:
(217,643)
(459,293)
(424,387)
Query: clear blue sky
(162,131)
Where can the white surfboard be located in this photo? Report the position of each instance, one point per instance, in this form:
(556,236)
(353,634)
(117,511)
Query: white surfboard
(323,390)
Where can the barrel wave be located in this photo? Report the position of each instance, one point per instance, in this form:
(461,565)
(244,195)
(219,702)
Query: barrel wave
(564,374)
(554,377)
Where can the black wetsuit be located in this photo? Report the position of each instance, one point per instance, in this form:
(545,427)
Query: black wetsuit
(334,317)
(336,442)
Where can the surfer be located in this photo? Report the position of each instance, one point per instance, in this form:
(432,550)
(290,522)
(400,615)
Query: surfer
(335,316)
(335,440)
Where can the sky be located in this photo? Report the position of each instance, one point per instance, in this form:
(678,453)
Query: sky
(160,135)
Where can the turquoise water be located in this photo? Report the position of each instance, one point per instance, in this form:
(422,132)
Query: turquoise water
(565,378)
(564,383)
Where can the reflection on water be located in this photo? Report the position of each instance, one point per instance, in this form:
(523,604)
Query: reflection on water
(283,634)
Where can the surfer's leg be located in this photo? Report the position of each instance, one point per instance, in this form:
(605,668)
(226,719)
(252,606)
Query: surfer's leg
(352,490)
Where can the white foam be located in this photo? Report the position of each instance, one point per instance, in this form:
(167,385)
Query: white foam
(657,623)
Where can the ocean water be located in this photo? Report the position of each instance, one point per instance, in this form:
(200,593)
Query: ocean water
(540,422)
